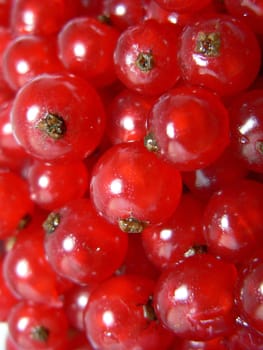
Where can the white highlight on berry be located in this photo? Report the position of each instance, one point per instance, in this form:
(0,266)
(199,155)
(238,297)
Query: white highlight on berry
(116,186)
(181,293)
(120,10)
(43,181)
(29,19)
(249,125)
(23,323)
(108,318)
(32,113)
(68,243)
(22,268)
(170,130)
(7,129)
(166,234)
(127,123)
(22,67)
(79,50)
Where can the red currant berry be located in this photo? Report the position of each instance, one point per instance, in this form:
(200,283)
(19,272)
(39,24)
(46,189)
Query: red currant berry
(41,17)
(58,116)
(195,298)
(52,185)
(233,221)
(146,57)
(36,327)
(15,202)
(7,299)
(86,48)
(27,272)
(127,117)
(250,11)
(246,117)
(212,54)
(179,237)
(190,126)
(183,6)
(245,338)
(81,246)
(28,56)
(119,316)
(250,291)
(129,187)
(213,344)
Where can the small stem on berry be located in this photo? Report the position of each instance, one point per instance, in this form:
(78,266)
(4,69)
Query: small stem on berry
(105,19)
(259,147)
(53,125)
(23,223)
(208,44)
(131,225)
(196,249)
(145,61)
(148,310)
(51,222)
(150,143)
(40,333)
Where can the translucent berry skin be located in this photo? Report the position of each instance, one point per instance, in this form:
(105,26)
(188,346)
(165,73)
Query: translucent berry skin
(246,116)
(145,55)
(36,327)
(85,47)
(82,246)
(233,221)
(119,316)
(183,6)
(244,338)
(249,291)
(195,298)
(212,54)
(167,244)
(129,181)
(58,117)
(7,299)
(41,18)
(127,117)
(190,126)
(15,202)
(27,272)
(213,344)
(250,11)
(28,56)
(52,185)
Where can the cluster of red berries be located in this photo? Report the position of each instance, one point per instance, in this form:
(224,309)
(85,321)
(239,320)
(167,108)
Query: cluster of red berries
(131,174)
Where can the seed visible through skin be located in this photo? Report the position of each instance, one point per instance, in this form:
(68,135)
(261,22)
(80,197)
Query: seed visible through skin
(145,61)
(148,310)
(51,223)
(131,225)
(208,44)
(40,333)
(53,125)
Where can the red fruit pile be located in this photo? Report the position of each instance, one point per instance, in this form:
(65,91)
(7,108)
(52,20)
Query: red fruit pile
(131,174)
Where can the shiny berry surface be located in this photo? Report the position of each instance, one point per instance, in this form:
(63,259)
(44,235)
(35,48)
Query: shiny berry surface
(80,245)
(212,54)
(58,116)
(129,185)
(195,299)
(190,127)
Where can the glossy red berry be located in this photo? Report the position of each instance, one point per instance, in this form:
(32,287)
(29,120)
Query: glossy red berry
(233,220)
(183,6)
(41,18)
(119,316)
(80,245)
(249,11)
(246,116)
(28,56)
(52,185)
(27,272)
(127,117)
(7,299)
(250,291)
(190,127)
(58,116)
(216,52)
(195,298)
(85,47)
(129,187)
(35,327)
(15,202)
(146,57)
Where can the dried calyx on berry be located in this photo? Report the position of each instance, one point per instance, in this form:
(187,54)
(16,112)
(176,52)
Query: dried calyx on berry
(131,225)
(52,222)
(145,61)
(53,125)
(208,44)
